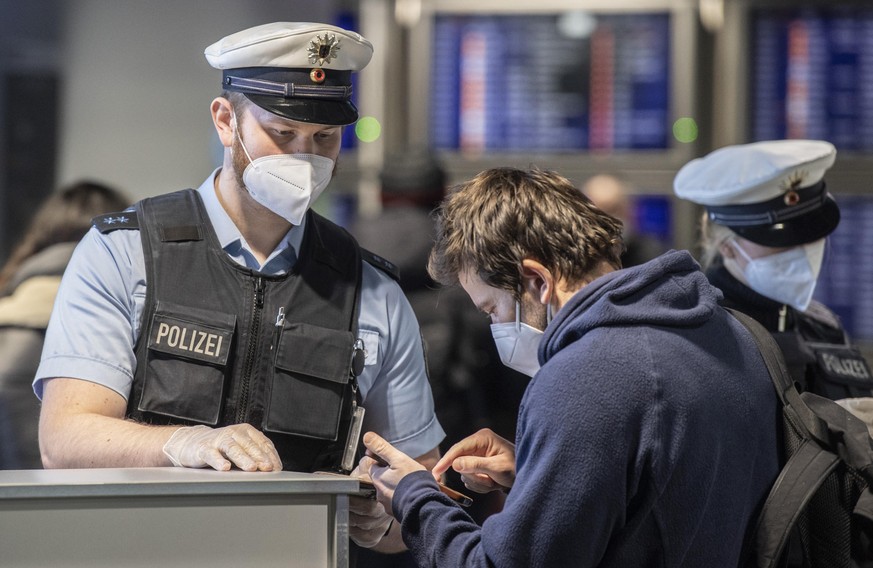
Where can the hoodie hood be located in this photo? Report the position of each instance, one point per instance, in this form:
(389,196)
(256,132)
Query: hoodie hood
(668,291)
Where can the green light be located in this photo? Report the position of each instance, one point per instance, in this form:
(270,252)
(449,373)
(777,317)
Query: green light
(685,130)
(368,129)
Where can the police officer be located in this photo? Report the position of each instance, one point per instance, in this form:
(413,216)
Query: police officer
(231,325)
(768,213)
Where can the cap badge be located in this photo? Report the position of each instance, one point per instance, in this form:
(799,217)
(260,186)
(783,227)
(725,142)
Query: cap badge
(317,75)
(791,196)
(323,49)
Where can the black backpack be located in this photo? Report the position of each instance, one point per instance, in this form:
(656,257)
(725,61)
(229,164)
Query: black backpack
(824,489)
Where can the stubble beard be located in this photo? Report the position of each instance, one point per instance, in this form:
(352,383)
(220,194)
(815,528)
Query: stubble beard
(239,163)
(533,313)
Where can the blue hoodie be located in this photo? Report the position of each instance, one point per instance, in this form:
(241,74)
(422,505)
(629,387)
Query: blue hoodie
(648,438)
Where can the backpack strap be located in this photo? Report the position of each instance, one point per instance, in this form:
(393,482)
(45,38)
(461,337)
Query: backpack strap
(805,471)
(786,389)
(801,477)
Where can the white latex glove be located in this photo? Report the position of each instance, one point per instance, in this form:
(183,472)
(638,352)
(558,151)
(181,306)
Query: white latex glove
(241,445)
(368,521)
(861,407)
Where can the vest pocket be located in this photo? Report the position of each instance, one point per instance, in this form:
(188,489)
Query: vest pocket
(311,375)
(186,363)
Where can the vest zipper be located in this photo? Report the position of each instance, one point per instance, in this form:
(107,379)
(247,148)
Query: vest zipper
(251,351)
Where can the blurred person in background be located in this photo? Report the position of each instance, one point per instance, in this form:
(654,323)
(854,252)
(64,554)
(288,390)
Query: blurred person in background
(28,285)
(612,195)
(763,236)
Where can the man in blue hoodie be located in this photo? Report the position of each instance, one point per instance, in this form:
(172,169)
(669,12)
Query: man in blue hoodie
(647,436)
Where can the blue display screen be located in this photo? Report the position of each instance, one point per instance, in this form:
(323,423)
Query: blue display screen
(504,83)
(844,283)
(812,75)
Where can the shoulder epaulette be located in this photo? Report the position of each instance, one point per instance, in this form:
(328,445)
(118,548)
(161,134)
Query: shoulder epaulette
(113,221)
(822,314)
(381,263)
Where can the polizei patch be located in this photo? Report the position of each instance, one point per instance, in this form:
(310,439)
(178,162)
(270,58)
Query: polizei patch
(844,365)
(189,339)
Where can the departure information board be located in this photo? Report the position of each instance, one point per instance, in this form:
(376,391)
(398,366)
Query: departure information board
(812,75)
(515,83)
(846,281)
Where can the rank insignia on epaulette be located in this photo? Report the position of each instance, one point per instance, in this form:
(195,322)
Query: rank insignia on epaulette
(114,221)
(383,263)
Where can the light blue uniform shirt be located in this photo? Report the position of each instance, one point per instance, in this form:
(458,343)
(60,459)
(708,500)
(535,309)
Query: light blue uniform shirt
(98,315)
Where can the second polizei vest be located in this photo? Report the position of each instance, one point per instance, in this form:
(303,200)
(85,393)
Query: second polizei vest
(222,344)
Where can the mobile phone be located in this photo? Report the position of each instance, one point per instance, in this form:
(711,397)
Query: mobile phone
(368,490)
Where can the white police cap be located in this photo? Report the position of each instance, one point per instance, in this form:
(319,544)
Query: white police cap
(298,70)
(771,193)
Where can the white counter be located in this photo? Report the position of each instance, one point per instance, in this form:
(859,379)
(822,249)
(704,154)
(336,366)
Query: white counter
(167,517)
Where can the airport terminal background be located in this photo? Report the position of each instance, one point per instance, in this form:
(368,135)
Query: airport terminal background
(119,91)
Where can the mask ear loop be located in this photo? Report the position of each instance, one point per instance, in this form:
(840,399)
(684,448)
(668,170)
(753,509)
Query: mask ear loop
(238,137)
(549,314)
(740,249)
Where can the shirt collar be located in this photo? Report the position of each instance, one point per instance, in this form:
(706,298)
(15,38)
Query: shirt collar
(231,240)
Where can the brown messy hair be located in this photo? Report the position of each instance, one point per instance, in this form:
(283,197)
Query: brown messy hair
(505,215)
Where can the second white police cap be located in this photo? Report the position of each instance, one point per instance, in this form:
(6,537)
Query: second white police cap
(771,193)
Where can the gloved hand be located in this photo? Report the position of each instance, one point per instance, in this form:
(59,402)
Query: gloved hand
(368,521)
(861,407)
(241,445)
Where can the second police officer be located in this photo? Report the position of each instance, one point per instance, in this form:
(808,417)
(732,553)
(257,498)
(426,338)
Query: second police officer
(768,215)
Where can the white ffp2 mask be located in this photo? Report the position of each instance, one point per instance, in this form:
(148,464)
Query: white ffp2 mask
(287,184)
(517,343)
(788,276)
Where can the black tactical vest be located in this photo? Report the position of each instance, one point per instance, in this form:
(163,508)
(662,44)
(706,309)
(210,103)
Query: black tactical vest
(222,344)
(817,351)
(833,370)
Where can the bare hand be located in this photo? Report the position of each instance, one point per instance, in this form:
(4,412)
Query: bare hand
(485,461)
(241,445)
